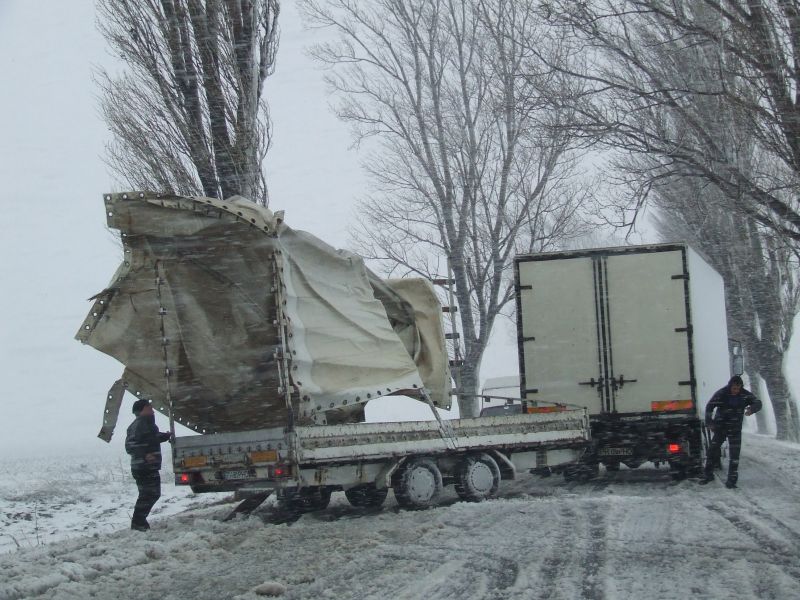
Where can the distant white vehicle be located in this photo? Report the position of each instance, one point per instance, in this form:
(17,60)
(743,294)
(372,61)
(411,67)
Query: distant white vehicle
(500,396)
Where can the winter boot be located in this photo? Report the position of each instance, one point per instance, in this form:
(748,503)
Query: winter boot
(140,526)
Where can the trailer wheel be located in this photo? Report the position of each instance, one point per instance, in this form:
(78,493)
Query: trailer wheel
(366,495)
(581,472)
(417,484)
(304,500)
(477,478)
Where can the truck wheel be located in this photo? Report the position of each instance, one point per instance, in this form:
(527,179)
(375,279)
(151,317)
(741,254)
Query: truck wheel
(478,478)
(366,495)
(417,484)
(612,466)
(304,500)
(678,471)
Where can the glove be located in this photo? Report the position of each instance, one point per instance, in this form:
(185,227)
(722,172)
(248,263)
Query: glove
(748,411)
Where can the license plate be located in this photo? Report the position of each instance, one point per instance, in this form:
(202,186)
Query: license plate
(615,452)
(240,474)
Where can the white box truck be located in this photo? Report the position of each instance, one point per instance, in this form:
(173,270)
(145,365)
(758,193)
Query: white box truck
(637,335)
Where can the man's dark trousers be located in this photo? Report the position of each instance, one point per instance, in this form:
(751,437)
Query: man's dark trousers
(149,483)
(734,435)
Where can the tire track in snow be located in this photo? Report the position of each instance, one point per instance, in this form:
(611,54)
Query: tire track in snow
(594,557)
(562,556)
(782,553)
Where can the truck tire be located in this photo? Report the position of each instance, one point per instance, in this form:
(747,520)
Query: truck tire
(417,484)
(304,500)
(366,495)
(678,471)
(477,478)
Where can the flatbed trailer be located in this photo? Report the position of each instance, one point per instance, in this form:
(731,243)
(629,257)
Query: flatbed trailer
(303,465)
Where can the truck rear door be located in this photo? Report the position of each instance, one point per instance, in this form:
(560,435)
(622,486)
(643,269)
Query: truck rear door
(606,330)
(557,329)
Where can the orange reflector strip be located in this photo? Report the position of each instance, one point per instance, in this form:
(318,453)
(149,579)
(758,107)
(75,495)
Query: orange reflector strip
(194,461)
(264,456)
(664,405)
(545,409)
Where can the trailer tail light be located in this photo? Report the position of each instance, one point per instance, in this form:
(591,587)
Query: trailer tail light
(280,471)
(668,405)
(188,478)
(673,448)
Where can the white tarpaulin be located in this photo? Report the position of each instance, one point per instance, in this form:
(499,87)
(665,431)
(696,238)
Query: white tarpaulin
(192,315)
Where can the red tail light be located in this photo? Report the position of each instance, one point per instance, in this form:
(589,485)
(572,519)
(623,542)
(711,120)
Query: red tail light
(280,471)
(673,448)
(183,478)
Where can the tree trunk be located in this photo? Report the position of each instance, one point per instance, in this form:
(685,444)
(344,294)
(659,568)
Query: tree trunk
(468,382)
(762,422)
(786,418)
(468,391)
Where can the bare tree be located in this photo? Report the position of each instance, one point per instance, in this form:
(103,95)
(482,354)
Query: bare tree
(467,164)
(681,144)
(630,46)
(187,114)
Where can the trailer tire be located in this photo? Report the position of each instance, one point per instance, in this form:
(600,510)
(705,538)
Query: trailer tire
(366,495)
(304,500)
(581,472)
(477,478)
(417,484)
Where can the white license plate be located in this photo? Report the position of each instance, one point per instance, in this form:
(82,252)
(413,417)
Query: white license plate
(240,474)
(615,452)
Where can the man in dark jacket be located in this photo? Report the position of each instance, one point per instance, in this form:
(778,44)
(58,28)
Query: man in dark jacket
(143,443)
(724,415)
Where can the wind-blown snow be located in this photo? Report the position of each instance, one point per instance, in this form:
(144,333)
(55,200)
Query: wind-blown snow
(633,534)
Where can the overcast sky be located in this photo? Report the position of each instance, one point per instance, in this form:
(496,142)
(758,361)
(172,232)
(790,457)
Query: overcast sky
(55,251)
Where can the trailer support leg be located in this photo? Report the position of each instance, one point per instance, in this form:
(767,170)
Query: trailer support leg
(248,505)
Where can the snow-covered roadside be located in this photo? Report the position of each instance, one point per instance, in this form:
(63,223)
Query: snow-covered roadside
(633,534)
(47,500)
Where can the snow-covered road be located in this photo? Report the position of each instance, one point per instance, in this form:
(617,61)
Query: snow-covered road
(632,534)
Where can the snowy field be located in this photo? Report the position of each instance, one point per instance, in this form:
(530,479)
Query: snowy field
(632,534)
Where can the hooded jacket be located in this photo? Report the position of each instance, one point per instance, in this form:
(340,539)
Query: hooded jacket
(730,408)
(143,437)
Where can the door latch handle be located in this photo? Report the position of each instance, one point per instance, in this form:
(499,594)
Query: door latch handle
(619,383)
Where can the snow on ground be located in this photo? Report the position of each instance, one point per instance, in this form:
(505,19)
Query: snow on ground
(632,534)
(46,500)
